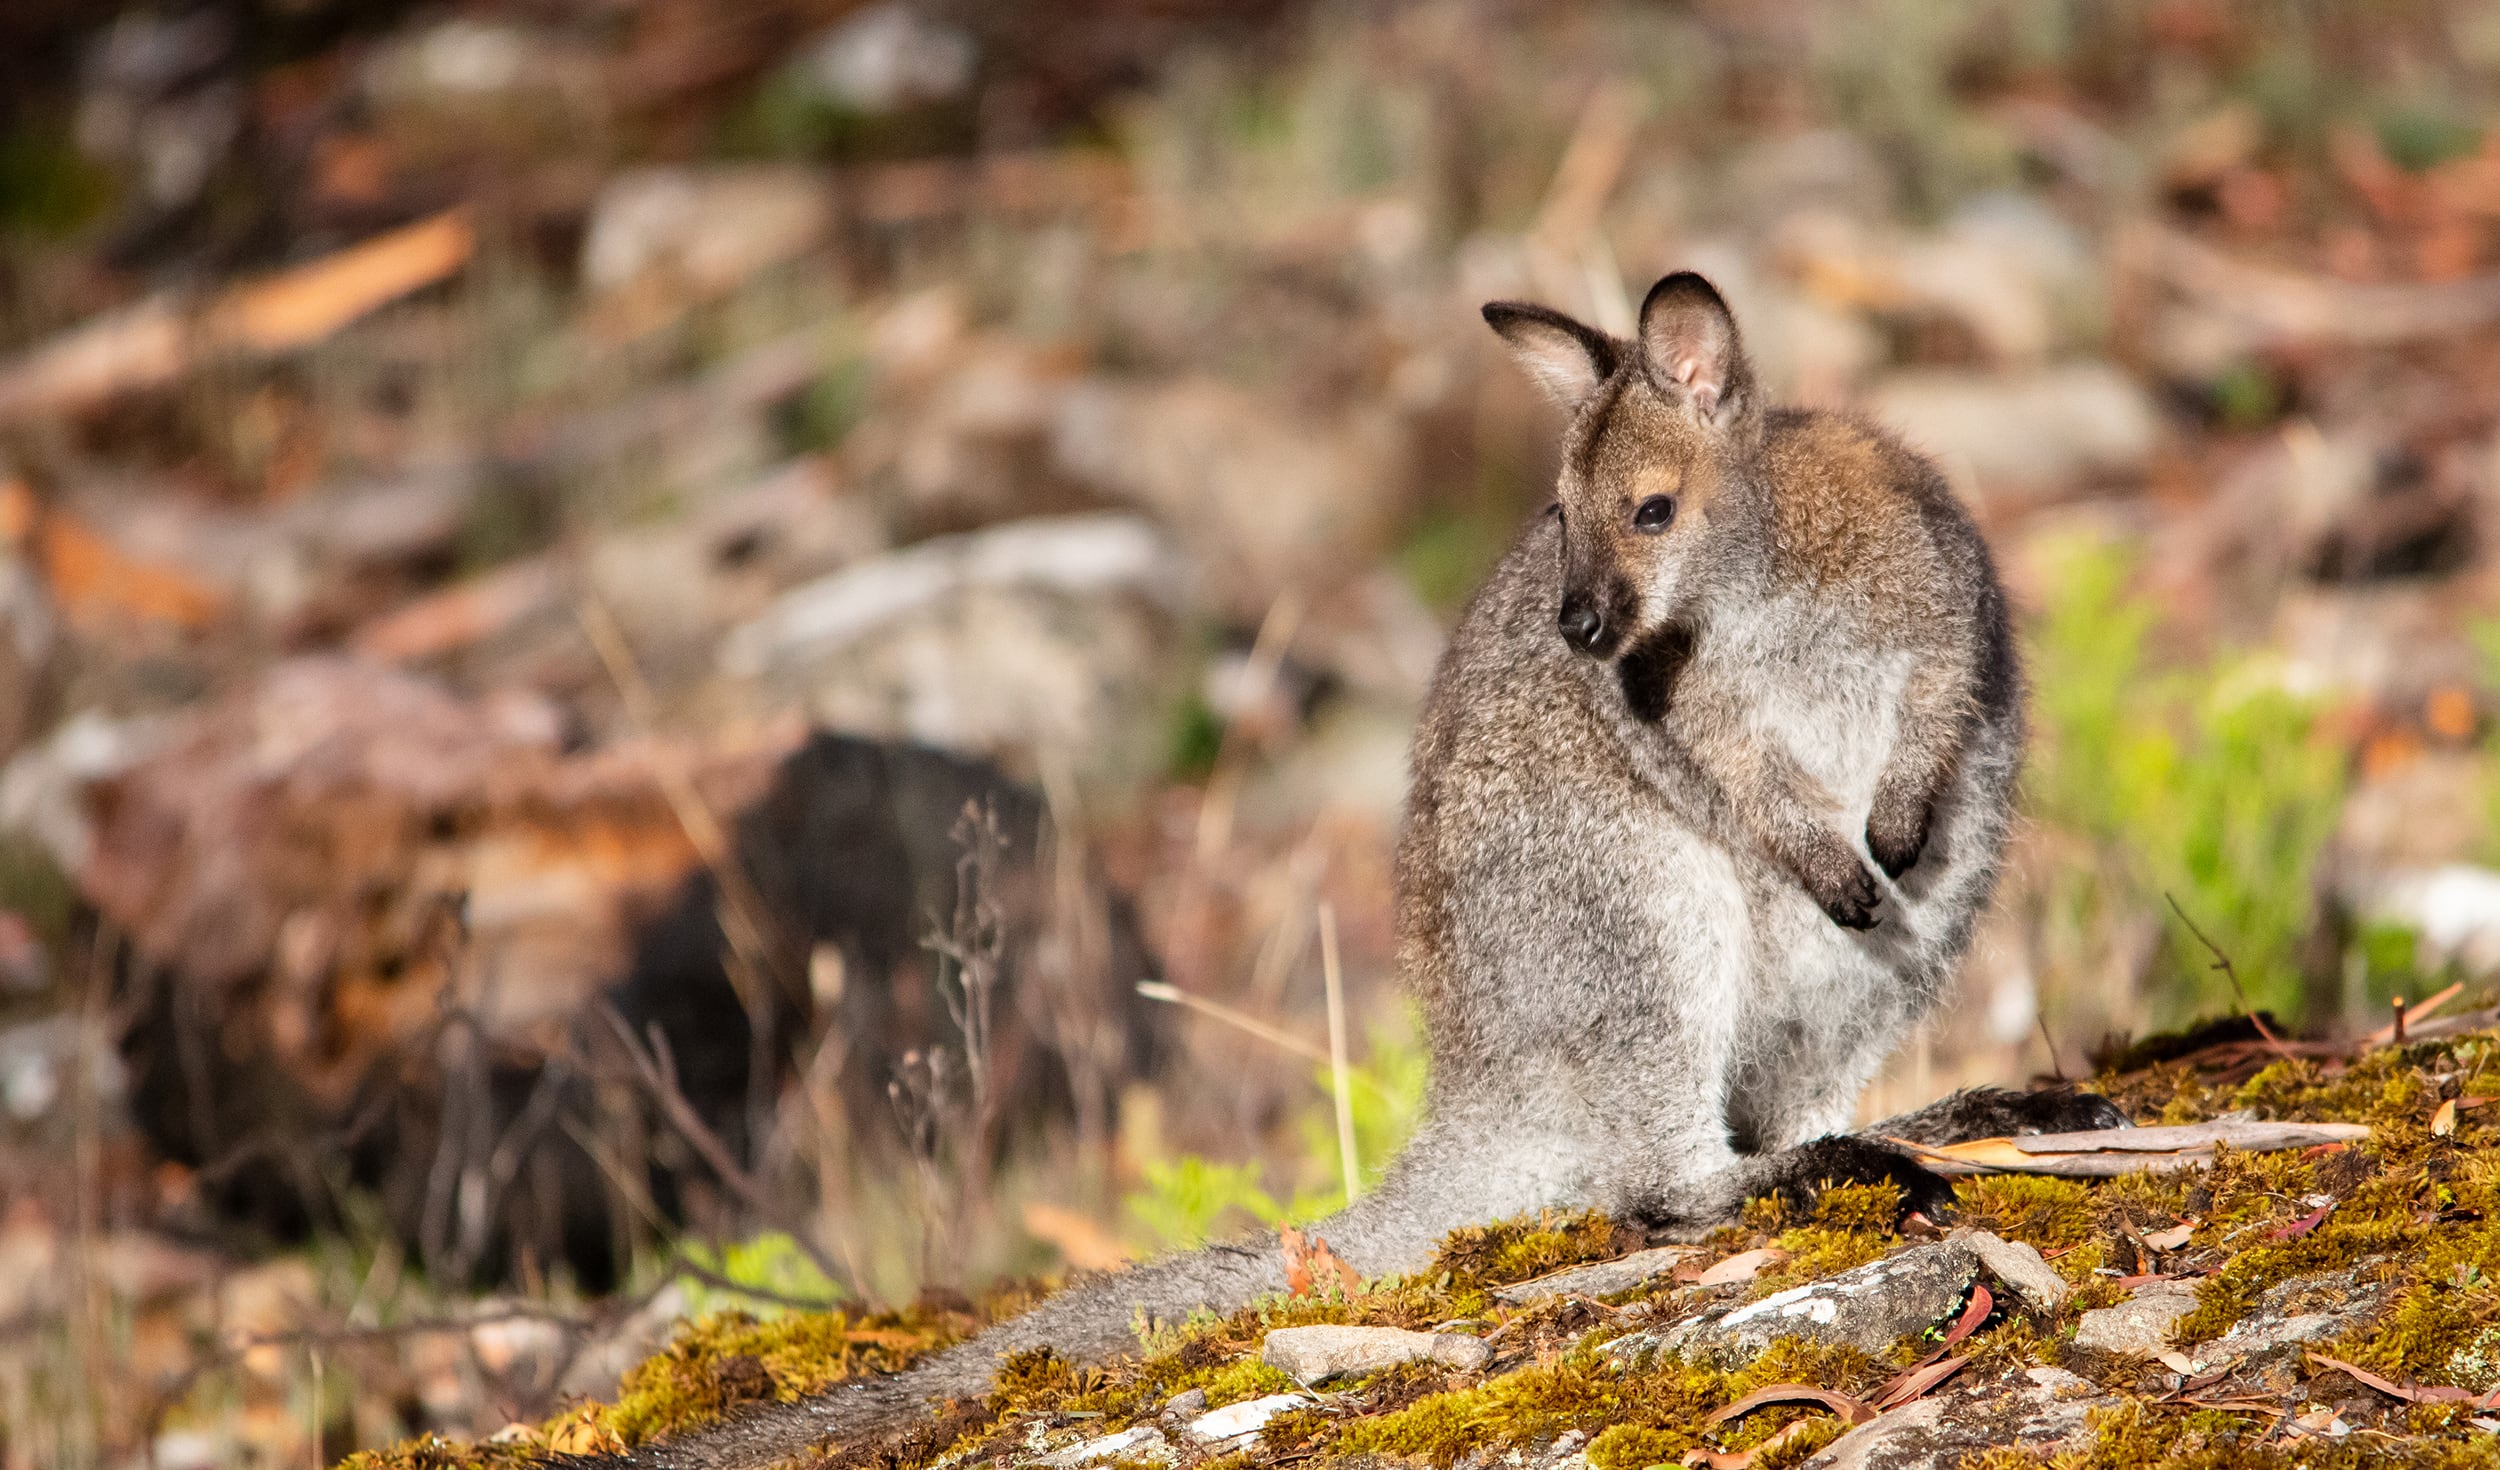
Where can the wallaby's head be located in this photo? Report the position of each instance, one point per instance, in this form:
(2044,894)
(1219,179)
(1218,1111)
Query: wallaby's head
(1660,426)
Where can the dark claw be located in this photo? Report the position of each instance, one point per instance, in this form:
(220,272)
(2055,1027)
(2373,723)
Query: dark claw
(1853,907)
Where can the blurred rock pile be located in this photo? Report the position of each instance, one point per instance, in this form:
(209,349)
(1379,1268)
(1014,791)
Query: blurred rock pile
(524,529)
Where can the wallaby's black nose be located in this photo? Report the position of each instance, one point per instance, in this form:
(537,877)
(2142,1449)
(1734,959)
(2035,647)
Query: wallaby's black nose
(1581,623)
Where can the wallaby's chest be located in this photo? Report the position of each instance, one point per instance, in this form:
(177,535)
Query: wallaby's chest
(1810,687)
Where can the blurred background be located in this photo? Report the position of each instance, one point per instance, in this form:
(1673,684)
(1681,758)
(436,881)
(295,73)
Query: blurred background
(627,625)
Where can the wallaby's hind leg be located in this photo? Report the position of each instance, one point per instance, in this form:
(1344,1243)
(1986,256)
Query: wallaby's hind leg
(2000,1112)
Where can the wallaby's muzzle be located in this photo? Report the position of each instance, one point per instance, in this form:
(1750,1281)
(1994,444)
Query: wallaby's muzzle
(1582,622)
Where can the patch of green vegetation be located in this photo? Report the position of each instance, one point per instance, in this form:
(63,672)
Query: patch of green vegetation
(2042,1212)
(820,416)
(772,1265)
(2212,787)
(2423,135)
(2246,397)
(1188,1200)
(1387,1099)
(1196,738)
(1448,553)
(48,187)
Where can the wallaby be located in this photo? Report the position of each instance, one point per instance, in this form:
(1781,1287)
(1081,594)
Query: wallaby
(1750,658)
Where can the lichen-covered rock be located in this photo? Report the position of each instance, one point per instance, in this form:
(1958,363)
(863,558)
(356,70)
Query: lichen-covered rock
(1317,1354)
(1145,1442)
(2037,1410)
(1602,1278)
(2290,1316)
(2141,1324)
(2018,1268)
(1869,1308)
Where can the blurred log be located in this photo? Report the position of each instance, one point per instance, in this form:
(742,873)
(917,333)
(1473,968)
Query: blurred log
(373,929)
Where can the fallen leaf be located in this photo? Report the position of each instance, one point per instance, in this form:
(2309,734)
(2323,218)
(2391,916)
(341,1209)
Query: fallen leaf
(2178,1362)
(2301,1226)
(95,581)
(1916,1383)
(1744,1266)
(2411,1393)
(1851,1410)
(1310,1265)
(2172,1238)
(1982,1302)
(2444,1122)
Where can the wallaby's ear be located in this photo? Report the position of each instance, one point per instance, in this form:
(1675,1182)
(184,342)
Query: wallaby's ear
(1568,359)
(1691,349)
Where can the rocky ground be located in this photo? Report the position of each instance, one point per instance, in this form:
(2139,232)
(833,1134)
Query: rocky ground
(2332,1304)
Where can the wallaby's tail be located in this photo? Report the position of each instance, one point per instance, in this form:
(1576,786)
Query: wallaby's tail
(1382,1234)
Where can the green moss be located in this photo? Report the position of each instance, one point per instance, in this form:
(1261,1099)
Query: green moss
(1656,1409)
(729,1357)
(1519,1250)
(2047,1214)
(1817,1251)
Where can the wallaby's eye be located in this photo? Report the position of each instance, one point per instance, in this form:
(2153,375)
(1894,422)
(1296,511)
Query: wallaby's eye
(1654,514)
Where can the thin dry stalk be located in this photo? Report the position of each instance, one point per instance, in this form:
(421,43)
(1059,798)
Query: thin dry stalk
(657,1070)
(1339,1073)
(1238,1020)
(1258,676)
(745,921)
(2223,963)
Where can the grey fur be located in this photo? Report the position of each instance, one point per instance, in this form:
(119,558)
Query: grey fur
(1636,895)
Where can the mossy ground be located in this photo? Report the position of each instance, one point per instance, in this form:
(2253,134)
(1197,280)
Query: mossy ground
(2413,1213)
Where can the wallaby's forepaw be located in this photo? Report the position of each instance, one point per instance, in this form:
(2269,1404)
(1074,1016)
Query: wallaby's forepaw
(1997,1112)
(1798,1174)
(1843,888)
(1897,833)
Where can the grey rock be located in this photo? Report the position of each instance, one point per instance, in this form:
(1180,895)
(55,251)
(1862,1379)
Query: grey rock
(1317,1354)
(2036,1410)
(1051,635)
(1237,1422)
(886,57)
(1265,495)
(1604,1278)
(2018,1268)
(1186,1406)
(697,231)
(2293,1313)
(2141,1324)
(1869,1308)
